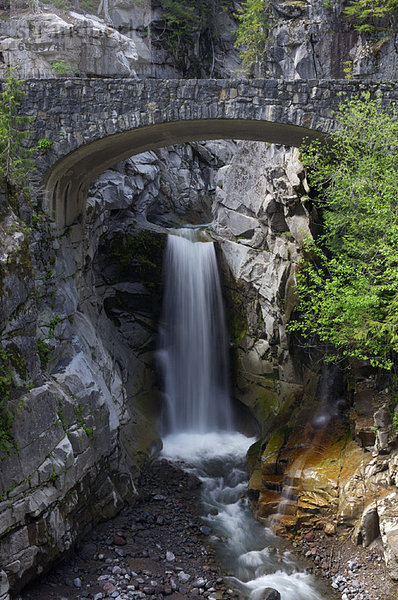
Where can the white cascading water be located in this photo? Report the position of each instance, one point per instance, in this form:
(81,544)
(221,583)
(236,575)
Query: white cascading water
(194,354)
(198,424)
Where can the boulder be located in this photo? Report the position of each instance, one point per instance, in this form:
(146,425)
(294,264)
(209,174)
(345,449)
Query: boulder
(387,511)
(4,584)
(49,45)
(267,594)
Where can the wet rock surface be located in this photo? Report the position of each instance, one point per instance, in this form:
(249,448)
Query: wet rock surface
(158,549)
(153,550)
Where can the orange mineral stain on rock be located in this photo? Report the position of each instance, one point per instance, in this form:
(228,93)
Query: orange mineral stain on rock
(304,473)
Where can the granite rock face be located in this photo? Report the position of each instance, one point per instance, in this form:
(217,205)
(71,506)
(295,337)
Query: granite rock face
(316,40)
(57,44)
(85,396)
(79,315)
(124,39)
(74,445)
(261,216)
(310,40)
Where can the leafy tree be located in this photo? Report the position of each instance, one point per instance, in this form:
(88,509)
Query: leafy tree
(347,282)
(188,30)
(363,11)
(254,23)
(15,158)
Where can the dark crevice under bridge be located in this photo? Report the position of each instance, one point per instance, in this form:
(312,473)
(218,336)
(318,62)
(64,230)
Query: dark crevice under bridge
(95,123)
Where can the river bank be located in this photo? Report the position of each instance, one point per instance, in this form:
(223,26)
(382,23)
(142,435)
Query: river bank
(160,548)
(151,550)
(357,573)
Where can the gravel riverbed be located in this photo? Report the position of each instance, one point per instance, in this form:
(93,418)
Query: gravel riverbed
(159,548)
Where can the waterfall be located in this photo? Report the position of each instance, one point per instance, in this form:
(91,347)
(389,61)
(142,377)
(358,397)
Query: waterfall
(194,343)
(198,423)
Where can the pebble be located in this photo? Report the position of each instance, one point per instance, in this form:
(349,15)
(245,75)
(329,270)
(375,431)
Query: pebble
(349,577)
(118,540)
(183,577)
(109,587)
(170,556)
(205,530)
(164,532)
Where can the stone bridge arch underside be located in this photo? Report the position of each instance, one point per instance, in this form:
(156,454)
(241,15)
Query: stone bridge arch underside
(95,123)
(67,183)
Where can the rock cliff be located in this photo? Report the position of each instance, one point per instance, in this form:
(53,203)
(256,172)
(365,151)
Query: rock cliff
(328,447)
(79,326)
(79,308)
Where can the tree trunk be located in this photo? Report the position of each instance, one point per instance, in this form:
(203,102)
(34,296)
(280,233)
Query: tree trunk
(35,4)
(104,6)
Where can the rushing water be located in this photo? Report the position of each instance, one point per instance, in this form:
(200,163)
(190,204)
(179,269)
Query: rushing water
(193,351)
(253,556)
(199,425)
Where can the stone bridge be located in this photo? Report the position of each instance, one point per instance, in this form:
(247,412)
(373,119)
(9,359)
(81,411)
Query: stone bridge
(94,123)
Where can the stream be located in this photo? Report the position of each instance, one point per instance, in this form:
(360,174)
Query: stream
(200,429)
(253,557)
(158,547)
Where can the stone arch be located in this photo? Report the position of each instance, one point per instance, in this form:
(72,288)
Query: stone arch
(68,180)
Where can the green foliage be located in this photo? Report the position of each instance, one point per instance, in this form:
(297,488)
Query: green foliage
(393,410)
(12,384)
(251,36)
(43,347)
(43,351)
(52,325)
(60,67)
(348,282)
(44,144)
(15,158)
(348,69)
(87,430)
(364,11)
(328,4)
(89,5)
(61,4)
(395,422)
(53,476)
(78,410)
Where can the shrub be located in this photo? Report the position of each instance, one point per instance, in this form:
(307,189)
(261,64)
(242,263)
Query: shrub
(348,280)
